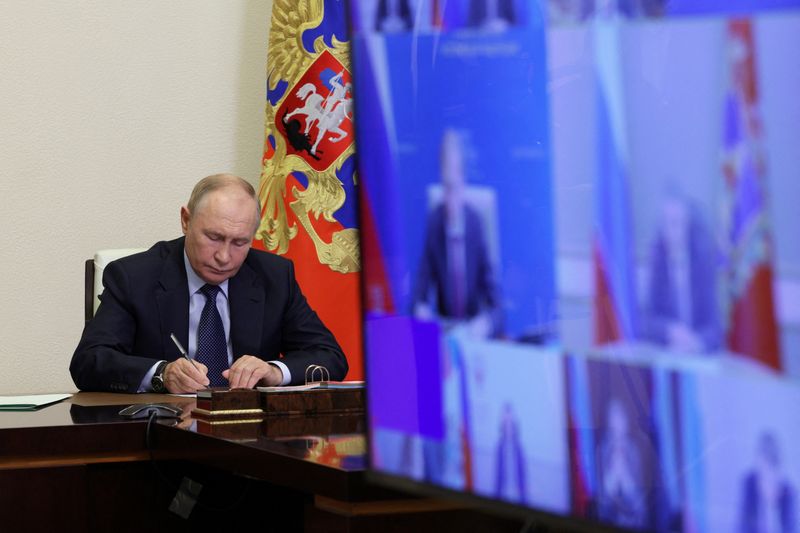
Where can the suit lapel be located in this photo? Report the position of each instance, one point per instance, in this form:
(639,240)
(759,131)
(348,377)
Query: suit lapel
(246,293)
(172,298)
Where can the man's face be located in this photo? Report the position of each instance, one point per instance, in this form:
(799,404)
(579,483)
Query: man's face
(219,233)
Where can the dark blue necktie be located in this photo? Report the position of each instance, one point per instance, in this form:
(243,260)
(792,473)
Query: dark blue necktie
(212,348)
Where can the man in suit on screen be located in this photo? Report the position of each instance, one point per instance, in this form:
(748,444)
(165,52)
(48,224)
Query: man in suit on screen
(621,488)
(393,16)
(768,499)
(492,15)
(455,280)
(683,309)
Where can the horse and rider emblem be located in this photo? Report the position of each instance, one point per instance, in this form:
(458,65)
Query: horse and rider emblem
(316,117)
(308,176)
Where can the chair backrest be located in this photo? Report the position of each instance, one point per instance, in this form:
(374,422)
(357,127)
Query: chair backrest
(94,276)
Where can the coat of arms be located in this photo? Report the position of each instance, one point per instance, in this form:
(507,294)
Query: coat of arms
(309,133)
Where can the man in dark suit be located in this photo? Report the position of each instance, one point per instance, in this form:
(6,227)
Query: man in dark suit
(768,500)
(239,311)
(492,15)
(683,312)
(621,494)
(455,278)
(393,16)
(510,478)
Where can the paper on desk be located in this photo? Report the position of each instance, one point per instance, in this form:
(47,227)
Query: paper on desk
(290,388)
(316,385)
(30,402)
(341,385)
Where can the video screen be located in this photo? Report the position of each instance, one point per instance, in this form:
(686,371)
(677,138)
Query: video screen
(581,277)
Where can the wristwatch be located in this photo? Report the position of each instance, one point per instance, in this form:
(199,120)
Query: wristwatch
(157,383)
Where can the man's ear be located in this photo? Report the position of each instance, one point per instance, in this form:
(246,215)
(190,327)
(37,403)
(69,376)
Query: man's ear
(185,218)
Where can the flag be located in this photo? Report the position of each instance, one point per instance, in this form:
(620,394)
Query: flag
(614,301)
(751,326)
(580,435)
(307,189)
(448,14)
(380,187)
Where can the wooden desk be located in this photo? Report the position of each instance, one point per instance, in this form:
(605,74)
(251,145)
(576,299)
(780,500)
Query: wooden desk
(78,462)
(58,435)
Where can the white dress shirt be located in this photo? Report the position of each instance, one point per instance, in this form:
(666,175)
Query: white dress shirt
(196,303)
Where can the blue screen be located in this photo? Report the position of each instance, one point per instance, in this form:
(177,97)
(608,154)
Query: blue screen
(581,276)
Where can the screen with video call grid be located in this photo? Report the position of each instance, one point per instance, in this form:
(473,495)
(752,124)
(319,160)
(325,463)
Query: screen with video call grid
(581,273)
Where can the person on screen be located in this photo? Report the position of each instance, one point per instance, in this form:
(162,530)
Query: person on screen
(238,311)
(455,280)
(568,11)
(510,462)
(629,9)
(768,499)
(492,15)
(682,310)
(621,495)
(393,16)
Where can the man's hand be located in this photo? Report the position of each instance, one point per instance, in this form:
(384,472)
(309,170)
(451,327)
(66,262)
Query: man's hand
(247,371)
(181,376)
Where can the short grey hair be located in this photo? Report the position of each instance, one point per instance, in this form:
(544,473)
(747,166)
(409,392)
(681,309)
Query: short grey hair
(215,182)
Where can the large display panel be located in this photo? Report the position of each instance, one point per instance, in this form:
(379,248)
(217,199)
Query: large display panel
(581,275)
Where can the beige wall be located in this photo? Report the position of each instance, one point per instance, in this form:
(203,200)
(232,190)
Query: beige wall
(110,110)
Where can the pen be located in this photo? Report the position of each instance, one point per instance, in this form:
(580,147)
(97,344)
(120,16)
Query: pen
(180,349)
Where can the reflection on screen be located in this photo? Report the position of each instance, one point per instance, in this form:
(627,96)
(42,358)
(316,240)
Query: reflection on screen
(579,262)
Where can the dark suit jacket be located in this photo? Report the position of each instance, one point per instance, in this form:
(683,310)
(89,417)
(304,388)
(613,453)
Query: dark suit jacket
(505,11)
(663,302)
(146,297)
(510,439)
(753,503)
(383,12)
(629,509)
(434,270)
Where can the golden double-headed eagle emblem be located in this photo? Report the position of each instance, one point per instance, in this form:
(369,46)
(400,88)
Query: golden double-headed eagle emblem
(311,127)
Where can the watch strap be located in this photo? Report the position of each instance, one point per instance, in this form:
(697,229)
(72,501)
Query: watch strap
(157,383)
